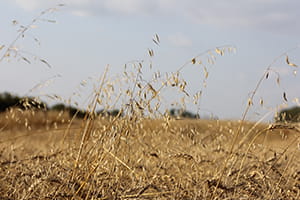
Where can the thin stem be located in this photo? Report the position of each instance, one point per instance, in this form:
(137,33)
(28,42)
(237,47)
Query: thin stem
(25,29)
(268,69)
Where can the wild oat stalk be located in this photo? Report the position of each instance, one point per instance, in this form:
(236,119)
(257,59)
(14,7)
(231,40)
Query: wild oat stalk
(88,120)
(23,29)
(264,76)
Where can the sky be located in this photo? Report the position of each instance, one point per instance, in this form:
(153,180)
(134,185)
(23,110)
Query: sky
(88,35)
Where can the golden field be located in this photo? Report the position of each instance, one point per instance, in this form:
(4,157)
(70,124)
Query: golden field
(47,155)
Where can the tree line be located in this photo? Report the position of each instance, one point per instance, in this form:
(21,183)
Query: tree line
(7,100)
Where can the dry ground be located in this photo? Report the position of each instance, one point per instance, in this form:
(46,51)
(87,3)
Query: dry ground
(145,159)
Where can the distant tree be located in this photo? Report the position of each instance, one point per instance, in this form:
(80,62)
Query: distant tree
(75,111)
(107,113)
(173,112)
(8,100)
(115,113)
(183,113)
(188,114)
(289,115)
(59,107)
(70,109)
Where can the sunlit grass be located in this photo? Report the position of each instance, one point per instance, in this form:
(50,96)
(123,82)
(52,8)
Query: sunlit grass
(143,151)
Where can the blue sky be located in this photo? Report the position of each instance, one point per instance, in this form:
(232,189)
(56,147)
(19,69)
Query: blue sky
(90,34)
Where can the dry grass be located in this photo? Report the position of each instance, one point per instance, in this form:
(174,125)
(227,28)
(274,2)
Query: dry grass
(150,160)
(146,154)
